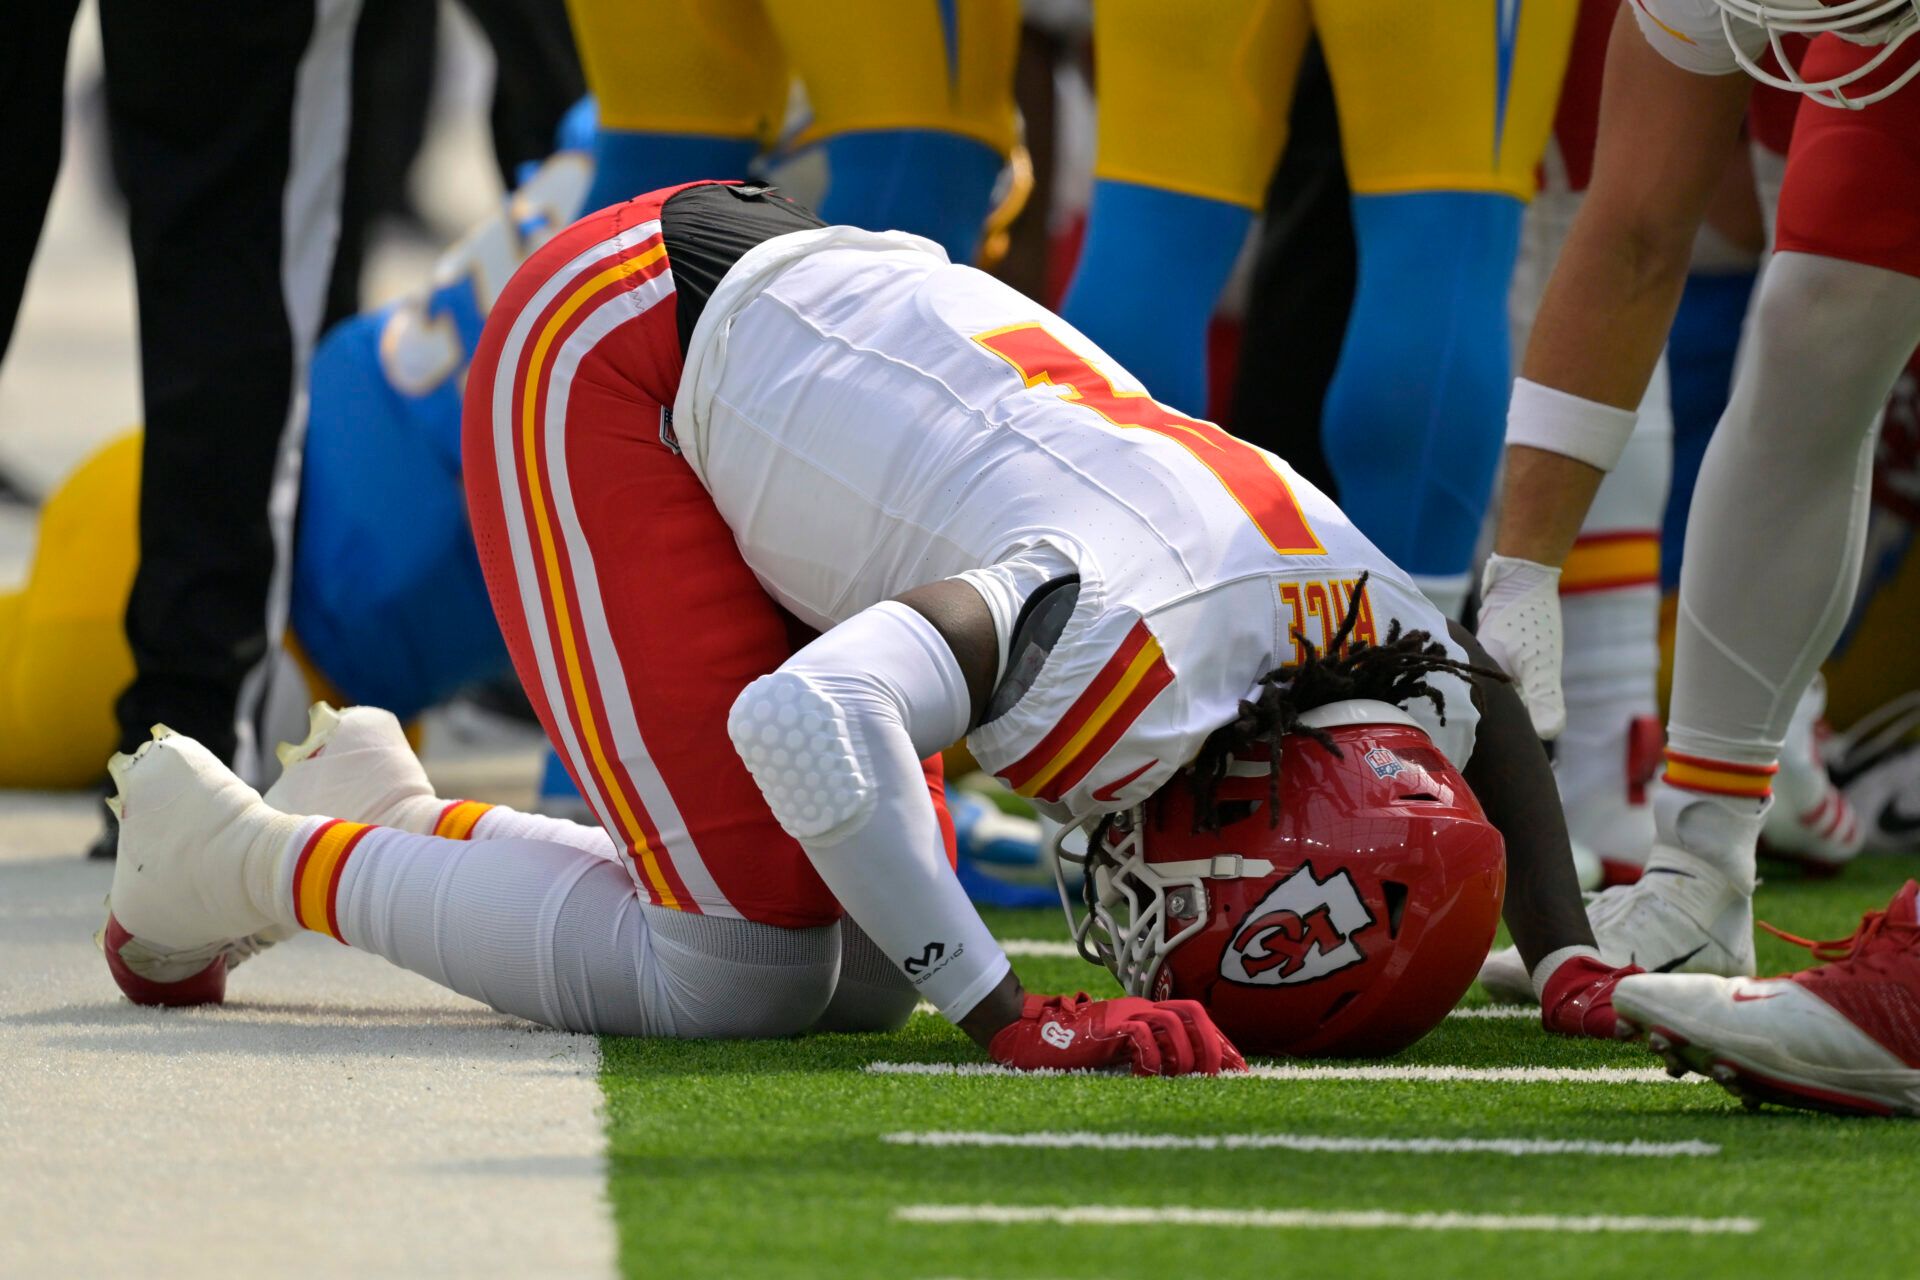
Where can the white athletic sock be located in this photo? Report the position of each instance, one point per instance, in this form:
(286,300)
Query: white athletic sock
(554,934)
(502,823)
(1610,604)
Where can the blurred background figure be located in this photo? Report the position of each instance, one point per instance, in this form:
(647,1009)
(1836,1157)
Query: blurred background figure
(1443,115)
(909,101)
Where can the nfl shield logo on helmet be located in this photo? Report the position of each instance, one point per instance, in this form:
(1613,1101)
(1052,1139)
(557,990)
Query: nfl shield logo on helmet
(1384,763)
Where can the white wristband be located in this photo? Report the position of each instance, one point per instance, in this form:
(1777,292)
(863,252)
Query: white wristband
(1586,430)
(1549,963)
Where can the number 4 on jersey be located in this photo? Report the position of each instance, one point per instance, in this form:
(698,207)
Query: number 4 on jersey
(1243,471)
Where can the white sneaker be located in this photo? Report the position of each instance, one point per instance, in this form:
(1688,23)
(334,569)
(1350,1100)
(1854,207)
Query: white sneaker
(1840,1037)
(198,850)
(355,764)
(1682,916)
(1811,821)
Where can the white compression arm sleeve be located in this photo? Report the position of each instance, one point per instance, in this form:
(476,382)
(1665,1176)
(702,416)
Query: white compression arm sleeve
(835,739)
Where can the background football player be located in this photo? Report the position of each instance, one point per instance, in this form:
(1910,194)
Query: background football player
(1443,113)
(684,459)
(1784,488)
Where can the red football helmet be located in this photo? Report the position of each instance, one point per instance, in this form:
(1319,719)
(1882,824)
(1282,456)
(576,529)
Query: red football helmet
(1348,928)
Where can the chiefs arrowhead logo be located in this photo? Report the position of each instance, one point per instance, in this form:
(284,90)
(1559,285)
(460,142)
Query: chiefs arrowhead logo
(1302,930)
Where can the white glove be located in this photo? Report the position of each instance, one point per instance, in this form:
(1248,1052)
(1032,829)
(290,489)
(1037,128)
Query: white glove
(1520,629)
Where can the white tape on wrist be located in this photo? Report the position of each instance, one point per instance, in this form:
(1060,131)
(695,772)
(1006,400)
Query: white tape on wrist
(1541,417)
(1544,971)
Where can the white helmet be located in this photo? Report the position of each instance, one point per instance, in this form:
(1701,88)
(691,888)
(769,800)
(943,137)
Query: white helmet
(1886,23)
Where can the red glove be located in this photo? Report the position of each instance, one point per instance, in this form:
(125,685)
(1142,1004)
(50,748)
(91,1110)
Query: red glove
(1154,1038)
(1578,998)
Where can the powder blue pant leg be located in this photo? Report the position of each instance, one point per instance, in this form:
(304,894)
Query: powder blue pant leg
(1149,276)
(1416,415)
(932,183)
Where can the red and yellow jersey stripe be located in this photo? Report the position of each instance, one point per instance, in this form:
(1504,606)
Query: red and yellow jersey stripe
(1720,777)
(316,876)
(1612,562)
(1122,689)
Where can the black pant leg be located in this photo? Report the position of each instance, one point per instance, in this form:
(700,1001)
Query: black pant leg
(537,76)
(1301,287)
(33,73)
(229,131)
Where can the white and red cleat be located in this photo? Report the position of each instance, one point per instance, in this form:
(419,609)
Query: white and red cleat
(1810,821)
(1844,1036)
(181,912)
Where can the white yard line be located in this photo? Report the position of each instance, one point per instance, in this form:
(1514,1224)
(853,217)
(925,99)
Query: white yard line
(1312,1219)
(337,1117)
(1039,947)
(1503,1012)
(1429,1075)
(1305,1142)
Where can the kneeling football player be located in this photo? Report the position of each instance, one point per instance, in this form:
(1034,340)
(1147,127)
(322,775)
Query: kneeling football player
(771,512)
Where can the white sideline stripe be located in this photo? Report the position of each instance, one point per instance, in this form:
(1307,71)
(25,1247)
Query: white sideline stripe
(1428,1075)
(1306,1142)
(1516,1012)
(1314,1219)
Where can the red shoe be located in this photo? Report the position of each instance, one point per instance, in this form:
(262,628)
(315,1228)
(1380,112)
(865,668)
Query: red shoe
(1844,1036)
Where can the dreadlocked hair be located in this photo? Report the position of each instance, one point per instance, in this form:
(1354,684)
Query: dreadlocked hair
(1393,671)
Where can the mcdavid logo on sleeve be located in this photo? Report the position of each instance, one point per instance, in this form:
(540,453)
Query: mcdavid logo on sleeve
(1302,930)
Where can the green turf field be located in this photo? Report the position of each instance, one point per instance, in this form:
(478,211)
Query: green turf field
(774,1159)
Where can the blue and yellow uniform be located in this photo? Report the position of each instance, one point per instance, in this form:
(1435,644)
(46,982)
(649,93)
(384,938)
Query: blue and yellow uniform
(1445,109)
(912,100)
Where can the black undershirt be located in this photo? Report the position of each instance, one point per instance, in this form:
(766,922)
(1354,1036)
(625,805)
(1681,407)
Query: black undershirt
(709,227)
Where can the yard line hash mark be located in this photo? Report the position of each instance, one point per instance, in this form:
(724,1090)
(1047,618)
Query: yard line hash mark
(1305,1142)
(1314,1219)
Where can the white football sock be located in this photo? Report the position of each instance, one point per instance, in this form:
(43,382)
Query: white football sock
(1610,604)
(555,934)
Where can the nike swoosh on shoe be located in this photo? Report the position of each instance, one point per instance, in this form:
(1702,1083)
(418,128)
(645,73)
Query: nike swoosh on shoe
(1677,961)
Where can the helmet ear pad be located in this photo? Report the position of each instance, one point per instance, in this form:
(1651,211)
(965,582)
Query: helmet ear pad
(1347,923)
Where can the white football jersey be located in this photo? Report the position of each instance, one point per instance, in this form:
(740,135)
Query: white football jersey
(870,418)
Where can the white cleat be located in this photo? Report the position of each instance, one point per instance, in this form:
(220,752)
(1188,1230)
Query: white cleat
(355,764)
(1682,916)
(180,913)
(1839,1037)
(1811,821)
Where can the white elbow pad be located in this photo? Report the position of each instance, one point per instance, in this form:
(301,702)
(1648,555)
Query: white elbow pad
(1541,417)
(796,743)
